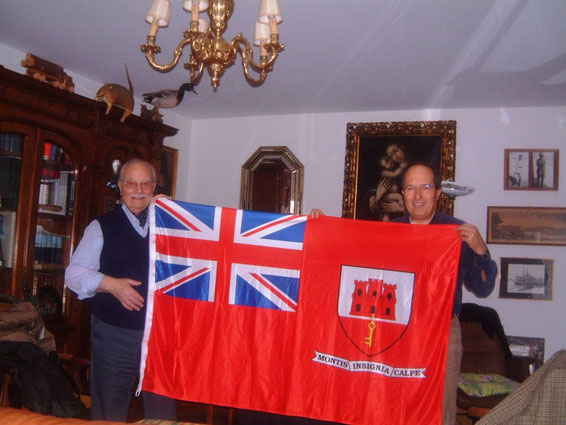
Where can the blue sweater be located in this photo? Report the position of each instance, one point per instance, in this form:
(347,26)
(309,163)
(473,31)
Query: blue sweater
(470,268)
(125,254)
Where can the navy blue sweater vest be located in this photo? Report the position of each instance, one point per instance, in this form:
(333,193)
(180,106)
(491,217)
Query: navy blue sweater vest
(125,254)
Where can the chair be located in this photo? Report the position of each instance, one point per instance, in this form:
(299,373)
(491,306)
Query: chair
(6,302)
(23,326)
(486,351)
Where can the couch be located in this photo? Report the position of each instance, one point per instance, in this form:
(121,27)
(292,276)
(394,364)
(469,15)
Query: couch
(10,416)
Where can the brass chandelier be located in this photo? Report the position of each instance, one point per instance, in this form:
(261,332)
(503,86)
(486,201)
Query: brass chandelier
(208,48)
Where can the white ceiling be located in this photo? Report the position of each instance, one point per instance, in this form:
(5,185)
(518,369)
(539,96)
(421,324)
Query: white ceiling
(340,55)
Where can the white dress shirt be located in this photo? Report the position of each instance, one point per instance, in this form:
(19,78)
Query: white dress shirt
(82,275)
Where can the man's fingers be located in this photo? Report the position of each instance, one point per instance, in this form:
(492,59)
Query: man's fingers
(316,213)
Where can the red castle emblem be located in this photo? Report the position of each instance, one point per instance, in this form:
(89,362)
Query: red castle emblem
(374,298)
(369,309)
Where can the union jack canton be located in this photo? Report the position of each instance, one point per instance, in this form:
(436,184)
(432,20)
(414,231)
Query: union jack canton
(214,254)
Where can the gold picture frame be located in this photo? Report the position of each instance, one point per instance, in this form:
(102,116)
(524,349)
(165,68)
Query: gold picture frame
(526,225)
(367,144)
(167,179)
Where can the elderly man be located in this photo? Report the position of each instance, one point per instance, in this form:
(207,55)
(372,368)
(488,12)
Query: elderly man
(477,271)
(110,266)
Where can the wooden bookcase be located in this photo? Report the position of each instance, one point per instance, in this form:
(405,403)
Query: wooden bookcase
(56,155)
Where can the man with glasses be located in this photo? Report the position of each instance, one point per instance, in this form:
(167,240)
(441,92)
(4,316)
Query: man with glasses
(477,271)
(110,266)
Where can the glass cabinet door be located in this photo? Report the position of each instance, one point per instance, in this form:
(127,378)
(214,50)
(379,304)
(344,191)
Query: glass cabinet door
(11,149)
(53,230)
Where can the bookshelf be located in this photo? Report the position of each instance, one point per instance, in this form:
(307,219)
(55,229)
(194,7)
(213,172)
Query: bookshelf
(56,155)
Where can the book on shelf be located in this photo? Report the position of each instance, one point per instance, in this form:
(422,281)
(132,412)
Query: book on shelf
(48,247)
(7,236)
(11,143)
(54,194)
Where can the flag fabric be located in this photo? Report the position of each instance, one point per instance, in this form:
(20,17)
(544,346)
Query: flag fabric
(329,318)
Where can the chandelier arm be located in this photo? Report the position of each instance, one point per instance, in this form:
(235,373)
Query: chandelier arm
(266,64)
(196,75)
(246,66)
(243,46)
(150,49)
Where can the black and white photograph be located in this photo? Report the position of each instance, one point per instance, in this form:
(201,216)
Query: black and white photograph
(526,278)
(543,169)
(518,170)
(531,169)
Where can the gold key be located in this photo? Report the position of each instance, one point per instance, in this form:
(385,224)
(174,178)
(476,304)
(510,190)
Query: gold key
(369,340)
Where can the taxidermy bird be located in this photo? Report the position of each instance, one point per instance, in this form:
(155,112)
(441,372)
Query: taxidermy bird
(168,98)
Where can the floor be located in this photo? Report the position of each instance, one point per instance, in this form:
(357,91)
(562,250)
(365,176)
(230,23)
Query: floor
(188,412)
(201,413)
(198,413)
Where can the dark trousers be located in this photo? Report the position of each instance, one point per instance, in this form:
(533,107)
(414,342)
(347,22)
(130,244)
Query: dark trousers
(114,369)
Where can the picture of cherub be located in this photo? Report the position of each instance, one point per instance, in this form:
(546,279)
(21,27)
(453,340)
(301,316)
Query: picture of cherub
(386,202)
(376,157)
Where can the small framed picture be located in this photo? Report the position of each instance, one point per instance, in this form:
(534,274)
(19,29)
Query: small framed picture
(526,225)
(531,169)
(166,182)
(526,278)
(528,347)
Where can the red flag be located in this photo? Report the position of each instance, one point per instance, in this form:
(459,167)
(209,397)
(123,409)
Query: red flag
(348,325)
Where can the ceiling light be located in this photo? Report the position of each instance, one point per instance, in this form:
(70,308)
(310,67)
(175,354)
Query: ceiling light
(208,48)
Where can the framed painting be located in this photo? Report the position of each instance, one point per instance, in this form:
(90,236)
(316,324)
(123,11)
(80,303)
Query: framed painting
(531,169)
(376,155)
(528,347)
(526,225)
(526,278)
(167,179)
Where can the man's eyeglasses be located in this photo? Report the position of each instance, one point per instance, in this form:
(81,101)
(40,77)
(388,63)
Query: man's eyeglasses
(411,188)
(131,184)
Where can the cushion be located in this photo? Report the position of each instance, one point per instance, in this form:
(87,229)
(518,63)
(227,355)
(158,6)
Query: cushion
(485,384)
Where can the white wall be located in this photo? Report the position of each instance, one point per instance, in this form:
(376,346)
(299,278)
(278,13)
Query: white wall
(211,153)
(220,147)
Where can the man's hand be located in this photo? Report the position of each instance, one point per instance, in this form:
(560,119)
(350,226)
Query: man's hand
(316,213)
(123,291)
(471,235)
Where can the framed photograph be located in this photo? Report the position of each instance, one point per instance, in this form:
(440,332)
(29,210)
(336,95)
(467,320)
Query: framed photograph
(526,225)
(526,278)
(376,155)
(531,169)
(528,347)
(167,180)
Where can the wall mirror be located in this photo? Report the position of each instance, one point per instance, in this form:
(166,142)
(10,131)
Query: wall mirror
(272,181)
